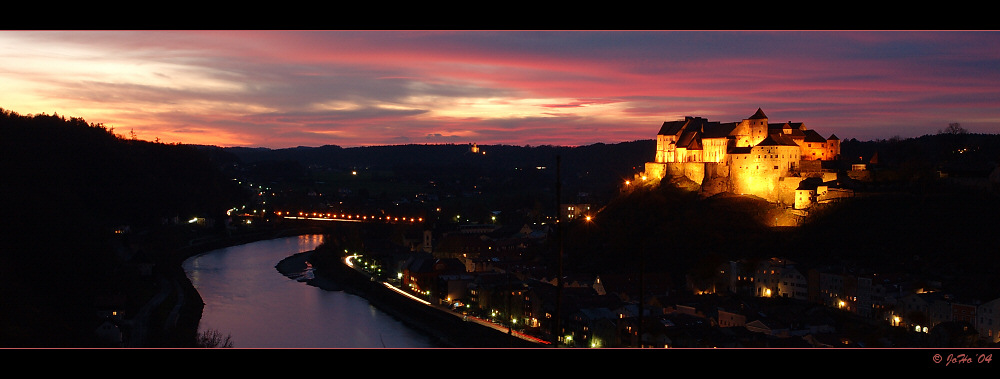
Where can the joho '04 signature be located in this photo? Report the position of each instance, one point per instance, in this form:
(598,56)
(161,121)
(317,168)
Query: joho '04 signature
(958,359)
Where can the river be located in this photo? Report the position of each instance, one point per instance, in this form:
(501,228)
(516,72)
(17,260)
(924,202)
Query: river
(248,299)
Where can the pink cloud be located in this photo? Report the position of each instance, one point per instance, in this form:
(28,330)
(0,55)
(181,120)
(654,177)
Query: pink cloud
(290,88)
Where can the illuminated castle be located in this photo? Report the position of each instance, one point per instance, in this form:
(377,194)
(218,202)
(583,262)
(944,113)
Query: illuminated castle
(753,157)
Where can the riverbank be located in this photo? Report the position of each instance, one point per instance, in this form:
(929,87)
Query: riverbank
(297,267)
(444,327)
(181,329)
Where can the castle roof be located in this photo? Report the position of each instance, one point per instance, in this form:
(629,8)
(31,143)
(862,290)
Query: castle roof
(690,140)
(777,140)
(673,128)
(793,128)
(812,136)
(833,137)
(718,130)
(795,133)
(696,128)
(758,115)
(810,183)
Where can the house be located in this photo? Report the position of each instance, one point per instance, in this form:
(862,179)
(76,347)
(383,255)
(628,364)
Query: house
(922,310)
(728,319)
(574,211)
(684,330)
(988,320)
(769,326)
(780,278)
(593,327)
(109,332)
(421,274)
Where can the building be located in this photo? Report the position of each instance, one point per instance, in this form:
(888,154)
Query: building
(988,322)
(780,278)
(574,211)
(752,156)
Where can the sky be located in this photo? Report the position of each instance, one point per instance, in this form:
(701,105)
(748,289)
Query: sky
(288,88)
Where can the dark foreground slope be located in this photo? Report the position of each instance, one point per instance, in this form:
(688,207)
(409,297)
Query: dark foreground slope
(70,191)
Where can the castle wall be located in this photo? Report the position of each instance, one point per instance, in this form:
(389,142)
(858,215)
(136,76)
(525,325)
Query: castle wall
(716,179)
(787,187)
(762,184)
(754,176)
(810,165)
(695,171)
(665,148)
(655,170)
(714,149)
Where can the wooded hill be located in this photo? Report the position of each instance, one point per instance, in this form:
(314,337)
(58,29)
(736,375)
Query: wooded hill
(67,186)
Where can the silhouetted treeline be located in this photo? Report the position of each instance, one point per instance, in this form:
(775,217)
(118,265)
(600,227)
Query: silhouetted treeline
(593,169)
(944,232)
(67,186)
(65,171)
(664,229)
(962,154)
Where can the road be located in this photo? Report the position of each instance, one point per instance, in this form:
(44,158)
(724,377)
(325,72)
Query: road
(463,316)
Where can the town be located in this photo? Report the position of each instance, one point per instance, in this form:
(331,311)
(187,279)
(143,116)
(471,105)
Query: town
(504,272)
(567,246)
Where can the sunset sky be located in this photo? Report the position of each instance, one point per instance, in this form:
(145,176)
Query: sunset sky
(282,89)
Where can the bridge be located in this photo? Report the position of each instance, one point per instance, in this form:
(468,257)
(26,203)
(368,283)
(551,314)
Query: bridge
(347,217)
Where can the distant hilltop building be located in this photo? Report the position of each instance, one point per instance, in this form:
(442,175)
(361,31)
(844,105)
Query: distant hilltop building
(474,149)
(780,162)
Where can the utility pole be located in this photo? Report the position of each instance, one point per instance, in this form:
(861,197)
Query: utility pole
(559,229)
(510,316)
(642,300)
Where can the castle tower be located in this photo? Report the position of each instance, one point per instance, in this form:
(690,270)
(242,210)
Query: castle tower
(833,143)
(757,126)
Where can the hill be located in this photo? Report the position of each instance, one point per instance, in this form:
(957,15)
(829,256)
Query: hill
(68,186)
(590,168)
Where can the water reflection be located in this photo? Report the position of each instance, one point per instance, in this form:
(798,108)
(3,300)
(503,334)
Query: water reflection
(247,298)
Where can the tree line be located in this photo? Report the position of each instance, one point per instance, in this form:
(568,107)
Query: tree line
(67,186)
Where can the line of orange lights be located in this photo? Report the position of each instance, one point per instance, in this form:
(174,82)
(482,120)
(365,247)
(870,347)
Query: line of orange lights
(349,261)
(345,217)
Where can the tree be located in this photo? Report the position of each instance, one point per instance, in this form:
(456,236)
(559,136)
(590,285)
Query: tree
(213,338)
(953,128)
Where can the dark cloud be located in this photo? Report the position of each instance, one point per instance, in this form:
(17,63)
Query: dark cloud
(291,88)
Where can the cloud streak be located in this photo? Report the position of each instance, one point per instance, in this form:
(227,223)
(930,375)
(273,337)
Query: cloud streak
(352,88)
